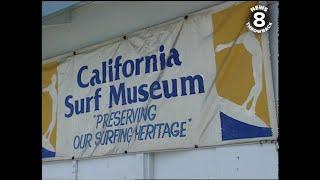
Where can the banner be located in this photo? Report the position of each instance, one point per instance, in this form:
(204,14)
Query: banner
(199,81)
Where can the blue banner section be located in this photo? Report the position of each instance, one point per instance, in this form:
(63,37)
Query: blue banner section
(47,154)
(235,129)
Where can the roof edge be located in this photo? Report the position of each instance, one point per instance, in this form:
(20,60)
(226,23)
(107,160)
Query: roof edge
(64,10)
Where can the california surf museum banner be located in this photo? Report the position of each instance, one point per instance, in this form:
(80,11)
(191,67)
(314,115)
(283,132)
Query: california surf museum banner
(203,80)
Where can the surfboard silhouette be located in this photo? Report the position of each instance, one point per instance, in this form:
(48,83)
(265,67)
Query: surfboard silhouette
(46,144)
(236,120)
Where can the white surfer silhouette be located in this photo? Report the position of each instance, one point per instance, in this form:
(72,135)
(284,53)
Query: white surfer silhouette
(252,45)
(53,93)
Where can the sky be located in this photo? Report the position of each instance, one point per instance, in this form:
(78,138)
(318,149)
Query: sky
(49,7)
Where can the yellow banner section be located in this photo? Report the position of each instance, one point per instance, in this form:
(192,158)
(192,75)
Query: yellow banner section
(237,80)
(49,104)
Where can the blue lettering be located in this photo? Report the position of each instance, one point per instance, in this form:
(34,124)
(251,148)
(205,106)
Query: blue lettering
(99,119)
(69,105)
(155,86)
(191,83)
(82,85)
(124,68)
(116,96)
(98,138)
(143,92)
(167,94)
(175,133)
(182,129)
(95,77)
(152,115)
(166,130)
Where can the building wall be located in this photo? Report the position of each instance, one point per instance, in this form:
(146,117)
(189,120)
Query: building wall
(97,22)
(240,161)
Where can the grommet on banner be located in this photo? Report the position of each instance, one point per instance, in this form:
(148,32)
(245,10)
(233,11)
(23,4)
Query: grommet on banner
(185,17)
(196,146)
(72,158)
(125,151)
(124,37)
(74,53)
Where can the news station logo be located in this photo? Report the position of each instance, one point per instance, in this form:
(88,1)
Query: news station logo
(259,20)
